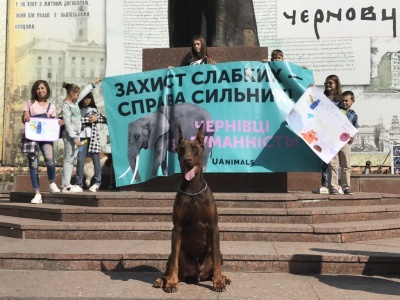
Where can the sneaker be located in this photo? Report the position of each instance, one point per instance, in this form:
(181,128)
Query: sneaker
(348,191)
(321,190)
(53,188)
(340,190)
(37,199)
(72,189)
(334,192)
(94,188)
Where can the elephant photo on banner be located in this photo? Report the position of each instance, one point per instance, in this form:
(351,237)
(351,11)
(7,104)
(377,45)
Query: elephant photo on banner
(159,131)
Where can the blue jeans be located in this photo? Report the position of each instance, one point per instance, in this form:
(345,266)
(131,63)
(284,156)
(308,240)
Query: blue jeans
(70,152)
(82,154)
(48,153)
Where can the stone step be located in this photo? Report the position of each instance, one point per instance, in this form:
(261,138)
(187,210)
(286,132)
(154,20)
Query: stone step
(254,200)
(366,257)
(303,215)
(340,232)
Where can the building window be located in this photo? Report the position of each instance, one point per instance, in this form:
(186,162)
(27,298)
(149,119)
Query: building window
(49,74)
(73,60)
(50,61)
(83,60)
(39,60)
(60,60)
(38,73)
(73,73)
(92,73)
(83,73)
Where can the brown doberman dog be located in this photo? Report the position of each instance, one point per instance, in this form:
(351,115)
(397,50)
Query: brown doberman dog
(195,250)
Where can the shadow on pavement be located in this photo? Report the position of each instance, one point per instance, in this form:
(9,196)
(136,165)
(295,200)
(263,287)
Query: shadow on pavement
(120,272)
(383,264)
(381,286)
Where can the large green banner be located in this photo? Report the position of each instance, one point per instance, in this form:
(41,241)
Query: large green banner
(243,106)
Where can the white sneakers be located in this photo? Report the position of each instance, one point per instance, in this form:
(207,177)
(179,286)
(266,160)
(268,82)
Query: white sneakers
(37,199)
(72,189)
(53,188)
(325,190)
(94,188)
(77,189)
(321,190)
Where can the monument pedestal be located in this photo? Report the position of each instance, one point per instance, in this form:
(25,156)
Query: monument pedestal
(159,58)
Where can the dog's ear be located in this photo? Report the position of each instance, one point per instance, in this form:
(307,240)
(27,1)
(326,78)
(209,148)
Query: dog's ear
(180,135)
(200,135)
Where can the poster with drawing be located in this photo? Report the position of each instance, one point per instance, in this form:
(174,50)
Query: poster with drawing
(320,124)
(42,129)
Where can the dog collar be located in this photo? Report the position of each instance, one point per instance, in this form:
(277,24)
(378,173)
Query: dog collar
(192,194)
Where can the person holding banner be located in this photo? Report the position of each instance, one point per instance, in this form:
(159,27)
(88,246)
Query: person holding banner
(71,135)
(38,106)
(343,156)
(199,53)
(333,90)
(277,55)
(90,137)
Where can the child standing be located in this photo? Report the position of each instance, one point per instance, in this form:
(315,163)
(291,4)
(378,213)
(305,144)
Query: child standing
(71,135)
(277,55)
(90,139)
(343,156)
(333,90)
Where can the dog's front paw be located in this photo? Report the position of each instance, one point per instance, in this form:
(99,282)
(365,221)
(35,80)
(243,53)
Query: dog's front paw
(171,287)
(168,285)
(226,279)
(220,284)
(158,283)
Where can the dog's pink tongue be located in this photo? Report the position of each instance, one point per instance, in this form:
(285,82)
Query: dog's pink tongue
(190,174)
